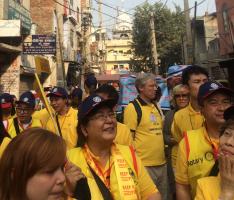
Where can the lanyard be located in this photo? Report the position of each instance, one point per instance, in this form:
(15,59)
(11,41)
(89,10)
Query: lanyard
(215,148)
(104,176)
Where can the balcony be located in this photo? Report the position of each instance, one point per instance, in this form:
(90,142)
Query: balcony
(17,11)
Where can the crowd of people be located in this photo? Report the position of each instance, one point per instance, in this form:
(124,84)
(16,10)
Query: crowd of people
(82,152)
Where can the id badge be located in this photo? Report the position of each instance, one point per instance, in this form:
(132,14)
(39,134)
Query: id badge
(152,118)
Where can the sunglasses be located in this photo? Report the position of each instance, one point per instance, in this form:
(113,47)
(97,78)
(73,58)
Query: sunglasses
(181,96)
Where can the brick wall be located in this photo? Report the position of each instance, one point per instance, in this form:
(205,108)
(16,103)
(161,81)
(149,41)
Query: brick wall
(42,15)
(226,43)
(10,76)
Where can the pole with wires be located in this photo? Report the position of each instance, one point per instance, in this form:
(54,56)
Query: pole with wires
(154,44)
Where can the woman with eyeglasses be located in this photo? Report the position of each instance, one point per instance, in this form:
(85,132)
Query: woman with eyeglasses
(180,99)
(113,171)
(221,187)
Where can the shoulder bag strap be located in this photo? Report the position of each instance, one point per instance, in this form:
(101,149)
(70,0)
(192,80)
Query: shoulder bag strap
(215,169)
(102,187)
(16,125)
(59,129)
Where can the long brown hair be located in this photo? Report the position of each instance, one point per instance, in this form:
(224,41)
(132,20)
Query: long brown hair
(33,150)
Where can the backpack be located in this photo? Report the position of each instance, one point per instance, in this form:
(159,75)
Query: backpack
(120,115)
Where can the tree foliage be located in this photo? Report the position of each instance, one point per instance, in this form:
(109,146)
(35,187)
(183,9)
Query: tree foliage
(169,28)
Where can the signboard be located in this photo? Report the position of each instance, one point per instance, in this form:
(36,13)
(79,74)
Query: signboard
(17,11)
(10,28)
(39,44)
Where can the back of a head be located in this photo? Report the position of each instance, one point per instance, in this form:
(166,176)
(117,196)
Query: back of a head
(193,69)
(77,92)
(109,91)
(31,151)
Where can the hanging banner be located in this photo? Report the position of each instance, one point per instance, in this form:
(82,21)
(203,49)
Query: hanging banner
(128,92)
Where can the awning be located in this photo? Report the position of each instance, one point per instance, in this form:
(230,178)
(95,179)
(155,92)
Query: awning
(42,65)
(10,48)
(104,78)
(227,63)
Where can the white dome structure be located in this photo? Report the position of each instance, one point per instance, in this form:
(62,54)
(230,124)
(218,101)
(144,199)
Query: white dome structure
(123,22)
(123,26)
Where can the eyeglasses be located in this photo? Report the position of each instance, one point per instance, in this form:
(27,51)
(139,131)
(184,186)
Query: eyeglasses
(23,110)
(215,103)
(103,116)
(181,96)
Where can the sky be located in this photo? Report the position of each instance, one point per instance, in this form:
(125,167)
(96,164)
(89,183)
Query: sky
(128,6)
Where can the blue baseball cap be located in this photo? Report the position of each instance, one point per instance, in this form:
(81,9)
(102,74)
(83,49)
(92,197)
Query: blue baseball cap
(210,87)
(58,91)
(6,100)
(91,80)
(92,103)
(27,98)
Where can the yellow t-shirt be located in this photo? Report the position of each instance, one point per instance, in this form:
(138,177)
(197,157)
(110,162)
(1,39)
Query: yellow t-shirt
(42,115)
(11,128)
(198,162)
(123,135)
(185,119)
(145,185)
(4,144)
(208,188)
(148,140)
(68,124)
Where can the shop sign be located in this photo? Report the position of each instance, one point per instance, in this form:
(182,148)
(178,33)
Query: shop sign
(39,45)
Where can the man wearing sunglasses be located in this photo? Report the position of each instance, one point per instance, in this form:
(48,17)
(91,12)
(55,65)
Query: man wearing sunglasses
(23,120)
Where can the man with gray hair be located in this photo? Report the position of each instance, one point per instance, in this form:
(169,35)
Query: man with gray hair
(147,131)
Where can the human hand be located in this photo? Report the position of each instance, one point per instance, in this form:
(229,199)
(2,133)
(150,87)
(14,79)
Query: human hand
(73,174)
(226,167)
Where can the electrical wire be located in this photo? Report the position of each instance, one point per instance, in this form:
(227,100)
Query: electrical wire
(110,16)
(113,8)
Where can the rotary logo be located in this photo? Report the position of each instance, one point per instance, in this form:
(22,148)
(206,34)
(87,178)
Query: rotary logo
(97,99)
(214,86)
(25,99)
(55,90)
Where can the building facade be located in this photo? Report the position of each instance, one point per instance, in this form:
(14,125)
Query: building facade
(61,18)
(119,49)
(16,70)
(225,16)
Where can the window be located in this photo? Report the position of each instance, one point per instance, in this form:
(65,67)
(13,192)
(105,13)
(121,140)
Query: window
(71,3)
(78,15)
(225,18)
(72,38)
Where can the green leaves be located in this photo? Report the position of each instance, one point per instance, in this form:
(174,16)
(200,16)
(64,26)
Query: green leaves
(170,27)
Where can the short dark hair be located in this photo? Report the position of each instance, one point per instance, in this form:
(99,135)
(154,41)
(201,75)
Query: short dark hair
(228,124)
(193,69)
(109,90)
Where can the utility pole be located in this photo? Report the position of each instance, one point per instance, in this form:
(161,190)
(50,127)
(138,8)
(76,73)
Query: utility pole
(100,42)
(59,52)
(154,43)
(194,33)
(188,50)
